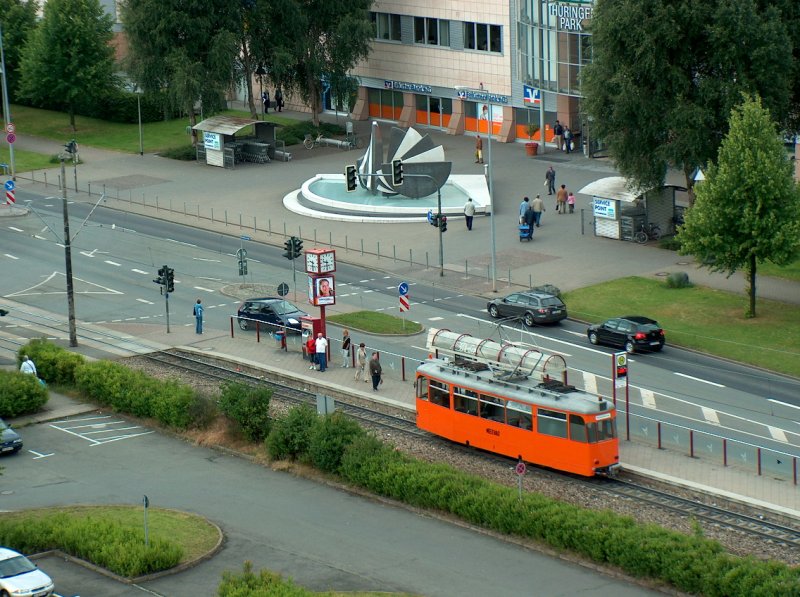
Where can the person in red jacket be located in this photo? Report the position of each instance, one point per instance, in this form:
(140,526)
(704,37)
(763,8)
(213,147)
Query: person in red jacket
(311,349)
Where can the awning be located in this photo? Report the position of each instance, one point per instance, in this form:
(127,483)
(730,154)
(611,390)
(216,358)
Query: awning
(224,125)
(611,187)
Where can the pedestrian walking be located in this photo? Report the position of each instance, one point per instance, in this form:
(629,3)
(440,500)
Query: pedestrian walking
(550,180)
(479,150)
(567,139)
(558,135)
(561,200)
(265,100)
(375,371)
(469,212)
(198,317)
(530,220)
(279,99)
(571,202)
(345,349)
(523,208)
(361,362)
(28,366)
(311,351)
(321,352)
(537,206)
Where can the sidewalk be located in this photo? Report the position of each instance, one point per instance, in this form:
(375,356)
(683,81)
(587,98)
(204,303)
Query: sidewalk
(248,200)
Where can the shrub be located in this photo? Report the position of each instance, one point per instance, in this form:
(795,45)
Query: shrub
(678,280)
(54,364)
(20,393)
(186,153)
(290,436)
(248,407)
(264,584)
(670,243)
(330,439)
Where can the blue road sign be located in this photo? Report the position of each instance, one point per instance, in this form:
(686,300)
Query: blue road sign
(430,216)
(10,185)
(403,288)
(244,237)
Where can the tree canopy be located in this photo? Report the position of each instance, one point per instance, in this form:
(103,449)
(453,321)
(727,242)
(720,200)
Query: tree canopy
(748,208)
(17,18)
(186,49)
(665,74)
(68,57)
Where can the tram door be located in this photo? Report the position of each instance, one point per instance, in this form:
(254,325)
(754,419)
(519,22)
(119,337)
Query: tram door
(434,111)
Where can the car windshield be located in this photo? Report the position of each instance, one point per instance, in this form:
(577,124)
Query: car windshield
(551,301)
(14,566)
(284,307)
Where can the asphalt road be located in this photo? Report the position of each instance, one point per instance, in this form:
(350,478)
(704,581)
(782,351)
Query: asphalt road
(319,535)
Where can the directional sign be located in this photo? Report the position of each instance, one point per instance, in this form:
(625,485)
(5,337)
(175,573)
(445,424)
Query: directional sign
(430,216)
(10,185)
(11,137)
(403,288)
(10,128)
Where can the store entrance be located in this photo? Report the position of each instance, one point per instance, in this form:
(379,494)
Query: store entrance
(434,111)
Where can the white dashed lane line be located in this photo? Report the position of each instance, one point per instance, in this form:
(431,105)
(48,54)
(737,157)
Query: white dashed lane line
(140,271)
(11,256)
(114,263)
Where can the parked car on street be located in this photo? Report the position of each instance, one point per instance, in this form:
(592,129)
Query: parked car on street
(633,333)
(10,441)
(276,312)
(19,577)
(532,307)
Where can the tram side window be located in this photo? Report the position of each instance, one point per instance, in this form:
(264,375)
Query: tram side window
(552,422)
(440,393)
(577,429)
(519,415)
(422,388)
(465,401)
(493,409)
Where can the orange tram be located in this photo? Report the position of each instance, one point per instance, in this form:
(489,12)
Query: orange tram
(514,400)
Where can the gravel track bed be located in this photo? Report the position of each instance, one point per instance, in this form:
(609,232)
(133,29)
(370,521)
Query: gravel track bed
(545,482)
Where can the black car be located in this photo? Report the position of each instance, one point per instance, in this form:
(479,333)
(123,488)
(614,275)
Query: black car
(532,307)
(10,441)
(633,333)
(270,310)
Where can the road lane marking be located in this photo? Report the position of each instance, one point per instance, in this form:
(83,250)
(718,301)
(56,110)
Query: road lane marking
(15,229)
(38,455)
(710,415)
(10,256)
(203,289)
(777,434)
(109,262)
(711,383)
(140,271)
(179,242)
(648,398)
(204,259)
(145,301)
(783,403)
(39,237)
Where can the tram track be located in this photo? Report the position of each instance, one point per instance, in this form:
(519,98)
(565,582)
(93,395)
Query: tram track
(761,527)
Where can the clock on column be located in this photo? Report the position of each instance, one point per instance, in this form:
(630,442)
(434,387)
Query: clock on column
(320,261)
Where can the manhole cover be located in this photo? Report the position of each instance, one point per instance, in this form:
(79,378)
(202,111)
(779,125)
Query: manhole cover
(662,274)
(684,263)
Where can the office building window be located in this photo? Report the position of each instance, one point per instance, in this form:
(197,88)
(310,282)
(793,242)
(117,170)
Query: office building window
(387,26)
(433,32)
(483,37)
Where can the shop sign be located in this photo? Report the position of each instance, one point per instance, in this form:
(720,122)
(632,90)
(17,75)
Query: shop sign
(212,140)
(405,86)
(482,96)
(605,208)
(571,15)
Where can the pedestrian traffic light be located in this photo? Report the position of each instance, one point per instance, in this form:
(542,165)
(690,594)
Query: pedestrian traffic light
(289,249)
(297,246)
(443,224)
(170,279)
(162,275)
(621,362)
(435,220)
(243,267)
(352,178)
(397,172)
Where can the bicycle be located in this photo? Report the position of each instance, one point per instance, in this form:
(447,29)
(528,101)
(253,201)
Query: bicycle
(650,232)
(310,141)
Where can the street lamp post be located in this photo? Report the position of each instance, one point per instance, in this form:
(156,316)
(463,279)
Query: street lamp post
(139,107)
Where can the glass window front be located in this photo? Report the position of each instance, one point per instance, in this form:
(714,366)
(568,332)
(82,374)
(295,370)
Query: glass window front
(551,422)
(483,37)
(386,26)
(433,32)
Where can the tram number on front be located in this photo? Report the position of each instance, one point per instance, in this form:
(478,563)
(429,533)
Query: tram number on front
(493,432)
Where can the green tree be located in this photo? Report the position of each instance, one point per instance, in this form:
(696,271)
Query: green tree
(666,73)
(68,58)
(17,19)
(186,49)
(748,208)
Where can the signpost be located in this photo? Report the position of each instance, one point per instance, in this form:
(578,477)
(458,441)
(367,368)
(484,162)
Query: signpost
(405,304)
(10,192)
(520,469)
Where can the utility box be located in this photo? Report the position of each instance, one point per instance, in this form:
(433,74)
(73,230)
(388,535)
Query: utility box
(310,326)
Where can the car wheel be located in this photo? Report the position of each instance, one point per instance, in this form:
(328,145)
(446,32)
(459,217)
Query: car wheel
(593,338)
(493,311)
(4,594)
(243,324)
(529,321)
(630,347)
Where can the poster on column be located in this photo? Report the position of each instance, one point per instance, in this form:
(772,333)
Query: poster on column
(486,111)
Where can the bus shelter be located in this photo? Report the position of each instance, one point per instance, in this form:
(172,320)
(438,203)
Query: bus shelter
(620,212)
(222,145)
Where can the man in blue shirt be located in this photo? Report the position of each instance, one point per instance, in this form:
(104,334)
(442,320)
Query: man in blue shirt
(198,317)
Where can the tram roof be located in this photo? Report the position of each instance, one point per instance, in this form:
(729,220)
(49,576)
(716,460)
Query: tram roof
(525,391)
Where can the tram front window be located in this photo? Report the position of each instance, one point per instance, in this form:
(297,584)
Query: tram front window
(602,430)
(422,388)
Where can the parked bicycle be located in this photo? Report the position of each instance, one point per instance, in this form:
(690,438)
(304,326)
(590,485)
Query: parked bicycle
(650,232)
(311,142)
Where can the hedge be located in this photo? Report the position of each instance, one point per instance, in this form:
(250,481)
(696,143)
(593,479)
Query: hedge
(248,407)
(54,364)
(20,394)
(263,584)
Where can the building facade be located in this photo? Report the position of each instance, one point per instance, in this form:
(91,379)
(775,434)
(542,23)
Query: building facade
(462,66)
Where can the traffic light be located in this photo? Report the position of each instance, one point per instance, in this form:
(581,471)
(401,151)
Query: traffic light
(170,279)
(621,363)
(3,312)
(288,249)
(443,224)
(297,246)
(162,276)
(397,172)
(435,220)
(352,178)
(243,267)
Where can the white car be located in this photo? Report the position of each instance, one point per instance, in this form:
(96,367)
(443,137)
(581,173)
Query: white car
(22,578)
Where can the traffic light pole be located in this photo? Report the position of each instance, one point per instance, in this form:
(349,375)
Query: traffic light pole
(166,300)
(73,333)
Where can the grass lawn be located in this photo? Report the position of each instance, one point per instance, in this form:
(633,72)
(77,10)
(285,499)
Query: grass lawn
(375,323)
(704,319)
(790,272)
(193,533)
(25,161)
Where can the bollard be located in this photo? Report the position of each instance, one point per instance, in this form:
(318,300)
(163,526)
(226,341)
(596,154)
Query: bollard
(362,247)
(212,215)
(345,243)
(226,218)
(411,258)
(90,189)
(394,253)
